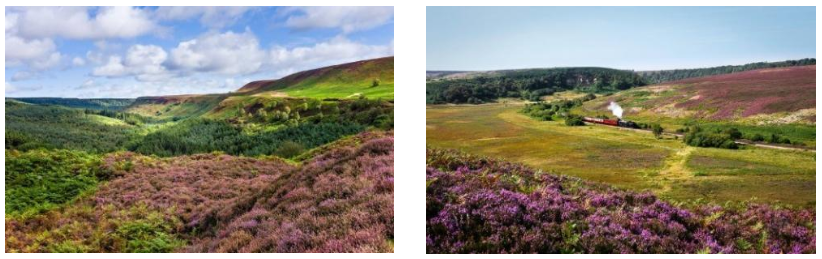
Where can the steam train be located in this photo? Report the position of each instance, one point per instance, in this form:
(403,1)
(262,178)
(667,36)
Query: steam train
(617,122)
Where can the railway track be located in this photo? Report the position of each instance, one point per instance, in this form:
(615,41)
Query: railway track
(740,142)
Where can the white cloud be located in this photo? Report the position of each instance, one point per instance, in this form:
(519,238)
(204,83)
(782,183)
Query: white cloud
(210,16)
(78,61)
(76,23)
(335,51)
(144,62)
(114,68)
(20,51)
(347,18)
(227,53)
(50,61)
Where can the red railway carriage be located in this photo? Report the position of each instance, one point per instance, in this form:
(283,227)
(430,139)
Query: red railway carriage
(601,121)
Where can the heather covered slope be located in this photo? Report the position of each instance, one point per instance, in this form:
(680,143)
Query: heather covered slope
(341,200)
(775,95)
(480,205)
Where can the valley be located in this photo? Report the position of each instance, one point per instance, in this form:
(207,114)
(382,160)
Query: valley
(706,150)
(299,164)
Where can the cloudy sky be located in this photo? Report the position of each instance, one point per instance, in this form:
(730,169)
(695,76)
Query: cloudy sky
(131,52)
(640,38)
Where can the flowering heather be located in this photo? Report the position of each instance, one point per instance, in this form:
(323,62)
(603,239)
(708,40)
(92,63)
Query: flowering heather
(753,92)
(479,205)
(340,201)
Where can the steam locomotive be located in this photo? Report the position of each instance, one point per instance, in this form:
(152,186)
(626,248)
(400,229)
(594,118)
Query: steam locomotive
(617,122)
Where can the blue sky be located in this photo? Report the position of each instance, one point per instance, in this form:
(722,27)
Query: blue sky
(148,51)
(639,38)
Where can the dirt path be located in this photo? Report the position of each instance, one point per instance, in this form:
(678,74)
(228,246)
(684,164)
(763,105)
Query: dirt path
(675,169)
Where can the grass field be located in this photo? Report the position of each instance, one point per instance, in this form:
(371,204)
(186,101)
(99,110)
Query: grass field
(625,158)
(349,80)
(342,90)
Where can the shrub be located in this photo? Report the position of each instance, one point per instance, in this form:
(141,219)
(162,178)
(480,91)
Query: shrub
(757,137)
(657,130)
(733,133)
(289,149)
(698,137)
(574,120)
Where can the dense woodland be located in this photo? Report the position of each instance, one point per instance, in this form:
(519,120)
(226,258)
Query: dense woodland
(531,84)
(195,136)
(36,126)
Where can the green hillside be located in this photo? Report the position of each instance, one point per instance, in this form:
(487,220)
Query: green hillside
(372,78)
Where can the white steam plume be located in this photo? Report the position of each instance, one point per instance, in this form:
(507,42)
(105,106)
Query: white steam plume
(616,109)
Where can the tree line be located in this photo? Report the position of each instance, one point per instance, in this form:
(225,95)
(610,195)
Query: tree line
(653,77)
(530,84)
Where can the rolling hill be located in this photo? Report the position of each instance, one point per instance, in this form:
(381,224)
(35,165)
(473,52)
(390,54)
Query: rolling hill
(339,81)
(537,83)
(344,81)
(774,95)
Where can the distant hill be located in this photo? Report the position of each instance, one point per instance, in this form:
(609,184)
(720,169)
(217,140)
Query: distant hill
(534,84)
(96,104)
(788,93)
(344,81)
(372,78)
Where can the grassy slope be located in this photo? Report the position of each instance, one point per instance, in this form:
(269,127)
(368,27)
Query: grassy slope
(628,159)
(340,81)
(176,106)
(783,99)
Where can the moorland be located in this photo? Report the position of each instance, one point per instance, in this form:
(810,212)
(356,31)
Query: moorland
(719,160)
(299,164)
